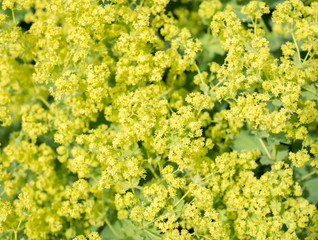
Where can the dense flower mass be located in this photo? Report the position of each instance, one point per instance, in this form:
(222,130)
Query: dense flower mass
(158,119)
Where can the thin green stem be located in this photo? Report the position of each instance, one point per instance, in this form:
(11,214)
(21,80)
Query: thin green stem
(112,229)
(313,53)
(13,16)
(44,101)
(160,167)
(307,55)
(40,97)
(203,236)
(198,69)
(168,104)
(309,91)
(297,48)
(306,176)
(265,26)
(206,176)
(153,171)
(151,234)
(255,27)
(103,203)
(274,152)
(176,204)
(265,148)
(18,227)
(216,85)
(149,223)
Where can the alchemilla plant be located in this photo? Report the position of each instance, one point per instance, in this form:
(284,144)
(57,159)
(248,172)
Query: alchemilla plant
(158,119)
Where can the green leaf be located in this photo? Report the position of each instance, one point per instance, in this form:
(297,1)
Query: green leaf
(204,88)
(130,183)
(277,103)
(260,134)
(312,187)
(251,142)
(302,171)
(179,207)
(308,181)
(309,93)
(108,234)
(277,139)
(197,179)
(265,160)
(275,205)
(281,152)
(211,47)
(152,234)
(246,141)
(128,230)
(273,3)
(275,41)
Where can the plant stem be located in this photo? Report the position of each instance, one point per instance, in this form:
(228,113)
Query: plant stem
(306,176)
(153,171)
(112,229)
(198,69)
(298,52)
(309,91)
(274,152)
(13,16)
(151,234)
(265,148)
(44,101)
(181,198)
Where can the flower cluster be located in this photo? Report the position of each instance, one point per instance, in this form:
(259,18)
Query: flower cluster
(158,119)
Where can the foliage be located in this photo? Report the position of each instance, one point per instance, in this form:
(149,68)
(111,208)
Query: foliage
(158,119)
